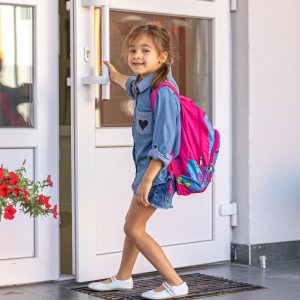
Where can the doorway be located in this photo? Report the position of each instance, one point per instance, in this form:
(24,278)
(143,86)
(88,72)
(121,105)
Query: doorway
(65,175)
(103,141)
(194,79)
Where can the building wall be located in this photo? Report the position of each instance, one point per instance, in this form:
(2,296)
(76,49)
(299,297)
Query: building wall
(240,128)
(266,126)
(274,65)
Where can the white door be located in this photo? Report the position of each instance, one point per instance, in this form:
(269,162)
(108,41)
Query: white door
(29,250)
(193,232)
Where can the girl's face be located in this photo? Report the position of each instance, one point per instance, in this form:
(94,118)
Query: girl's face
(143,56)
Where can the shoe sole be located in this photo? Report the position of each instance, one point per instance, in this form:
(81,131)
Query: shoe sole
(172,297)
(98,290)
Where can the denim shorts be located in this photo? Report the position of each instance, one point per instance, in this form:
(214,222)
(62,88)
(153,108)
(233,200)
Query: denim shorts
(160,196)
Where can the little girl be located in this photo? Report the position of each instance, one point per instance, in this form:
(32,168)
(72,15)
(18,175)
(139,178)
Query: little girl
(156,135)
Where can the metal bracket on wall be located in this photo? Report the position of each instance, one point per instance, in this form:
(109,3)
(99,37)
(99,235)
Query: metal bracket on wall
(229,209)
(233,5)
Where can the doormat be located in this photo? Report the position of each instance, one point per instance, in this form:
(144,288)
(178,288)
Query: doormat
(200,286)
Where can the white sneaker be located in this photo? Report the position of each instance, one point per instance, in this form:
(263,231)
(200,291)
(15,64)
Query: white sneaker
(115,284)
(171,291)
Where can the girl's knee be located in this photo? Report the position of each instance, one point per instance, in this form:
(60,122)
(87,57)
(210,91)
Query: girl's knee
(133,232)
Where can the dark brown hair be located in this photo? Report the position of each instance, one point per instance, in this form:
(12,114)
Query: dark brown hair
(162,40)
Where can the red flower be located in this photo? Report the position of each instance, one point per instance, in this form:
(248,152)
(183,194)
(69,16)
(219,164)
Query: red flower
(9,212)
(2,176)
(49,180)
(13,178)
(41,199)
(54,211)
(26,199)
(17,191)
(46,202)
(4,190)
(25,192)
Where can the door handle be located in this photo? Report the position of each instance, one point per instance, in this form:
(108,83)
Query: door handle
(104,78)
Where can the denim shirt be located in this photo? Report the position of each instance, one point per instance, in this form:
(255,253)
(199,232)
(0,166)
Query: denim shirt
(155,133)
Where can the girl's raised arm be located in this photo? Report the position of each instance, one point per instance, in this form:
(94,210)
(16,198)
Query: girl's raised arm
(116,76)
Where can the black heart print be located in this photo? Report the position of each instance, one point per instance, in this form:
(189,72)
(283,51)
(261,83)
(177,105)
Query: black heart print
(143,124)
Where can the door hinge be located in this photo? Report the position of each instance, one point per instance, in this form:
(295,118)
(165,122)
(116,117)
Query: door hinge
(68,81)
(229,209)
(233,5)
(68,5)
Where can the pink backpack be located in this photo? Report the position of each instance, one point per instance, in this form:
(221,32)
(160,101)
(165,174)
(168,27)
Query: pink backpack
(193,168)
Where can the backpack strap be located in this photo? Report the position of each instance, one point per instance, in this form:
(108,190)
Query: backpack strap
(172,167)
(155,91)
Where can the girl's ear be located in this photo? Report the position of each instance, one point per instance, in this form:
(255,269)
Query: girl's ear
(163,57)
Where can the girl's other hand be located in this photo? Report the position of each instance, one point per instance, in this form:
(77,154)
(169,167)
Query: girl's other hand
(143,192)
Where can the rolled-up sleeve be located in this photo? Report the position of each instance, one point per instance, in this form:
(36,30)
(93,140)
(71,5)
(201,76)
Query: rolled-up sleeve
(166,113)
(131,87)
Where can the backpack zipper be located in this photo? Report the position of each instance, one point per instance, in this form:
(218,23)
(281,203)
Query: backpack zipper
(201,166)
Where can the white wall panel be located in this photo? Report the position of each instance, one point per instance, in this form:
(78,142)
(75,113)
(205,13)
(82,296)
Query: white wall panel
(113,187)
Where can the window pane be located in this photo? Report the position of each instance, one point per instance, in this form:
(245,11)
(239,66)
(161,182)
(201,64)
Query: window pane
(16,66)
(191,68)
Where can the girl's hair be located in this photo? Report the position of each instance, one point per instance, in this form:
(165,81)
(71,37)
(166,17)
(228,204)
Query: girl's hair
(162,40)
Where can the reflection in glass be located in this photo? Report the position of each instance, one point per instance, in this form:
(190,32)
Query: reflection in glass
(191,69)
(16,66)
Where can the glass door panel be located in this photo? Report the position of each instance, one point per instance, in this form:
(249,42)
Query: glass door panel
(192,68)
(16,66)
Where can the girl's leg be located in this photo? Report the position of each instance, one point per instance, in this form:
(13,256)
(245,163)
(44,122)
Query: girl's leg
(135,229)
(129,255)
(130,251)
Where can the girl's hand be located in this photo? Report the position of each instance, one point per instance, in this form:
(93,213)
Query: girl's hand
(115,75)
(143,192)
(146,184)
